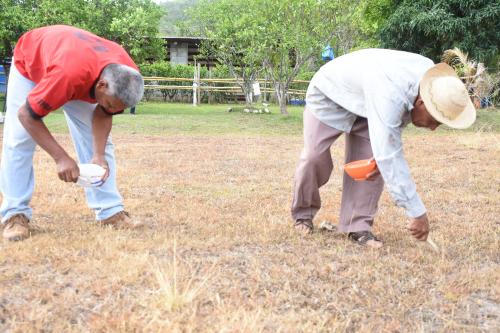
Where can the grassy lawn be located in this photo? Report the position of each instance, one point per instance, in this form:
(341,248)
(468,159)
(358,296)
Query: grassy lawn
(219,253)
(174,119)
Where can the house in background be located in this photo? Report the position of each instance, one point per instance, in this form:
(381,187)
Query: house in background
(183,50)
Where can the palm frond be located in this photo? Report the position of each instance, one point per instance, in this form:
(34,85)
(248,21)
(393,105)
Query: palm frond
(455,57)
(471,72)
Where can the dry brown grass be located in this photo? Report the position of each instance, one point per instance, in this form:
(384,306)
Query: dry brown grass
(220,255)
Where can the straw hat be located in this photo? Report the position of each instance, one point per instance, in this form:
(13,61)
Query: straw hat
(446,98)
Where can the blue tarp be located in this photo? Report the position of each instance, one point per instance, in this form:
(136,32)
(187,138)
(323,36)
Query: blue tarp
(3,80)
(297,101)
(327,53)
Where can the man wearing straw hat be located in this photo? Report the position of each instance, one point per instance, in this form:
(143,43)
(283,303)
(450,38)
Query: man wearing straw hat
(371,95)
(91,79)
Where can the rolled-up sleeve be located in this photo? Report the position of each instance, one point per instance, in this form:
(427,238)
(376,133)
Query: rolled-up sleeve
(385,106)
(52,92)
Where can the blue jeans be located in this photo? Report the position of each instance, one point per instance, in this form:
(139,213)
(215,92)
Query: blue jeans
(16,167)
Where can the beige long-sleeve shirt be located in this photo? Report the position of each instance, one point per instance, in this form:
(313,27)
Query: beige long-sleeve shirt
(380,85)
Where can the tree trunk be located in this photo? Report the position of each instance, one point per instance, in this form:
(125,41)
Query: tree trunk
(247,90)
(281,91)
(248,98)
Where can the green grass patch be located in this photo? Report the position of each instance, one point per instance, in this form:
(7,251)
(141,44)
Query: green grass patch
(180,119)
(2,102)
(174,119)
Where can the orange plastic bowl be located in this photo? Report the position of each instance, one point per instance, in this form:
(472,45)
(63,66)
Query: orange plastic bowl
(359,170)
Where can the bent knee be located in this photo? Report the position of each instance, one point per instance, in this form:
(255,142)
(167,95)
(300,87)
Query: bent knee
(315,157)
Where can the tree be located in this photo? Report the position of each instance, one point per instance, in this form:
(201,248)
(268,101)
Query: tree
(431,26)
(232,31)
(279,36)
(176,13)
(132,23)
(295,31)
(370,16)
(13,22)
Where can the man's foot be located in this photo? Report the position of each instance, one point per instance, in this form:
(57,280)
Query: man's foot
(17,228)
(121,220)
(304,226)
(365,238)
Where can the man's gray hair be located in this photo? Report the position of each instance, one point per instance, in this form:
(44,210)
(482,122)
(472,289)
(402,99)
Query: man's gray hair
(124,83)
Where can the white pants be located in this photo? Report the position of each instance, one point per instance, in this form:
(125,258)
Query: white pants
(16,167)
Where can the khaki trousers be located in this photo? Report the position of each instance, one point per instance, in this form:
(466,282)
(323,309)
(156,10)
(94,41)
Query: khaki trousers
(359,198)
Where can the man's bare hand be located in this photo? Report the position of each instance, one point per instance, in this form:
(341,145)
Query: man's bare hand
(374,174)
(67,169)
(101,161)
(419,227)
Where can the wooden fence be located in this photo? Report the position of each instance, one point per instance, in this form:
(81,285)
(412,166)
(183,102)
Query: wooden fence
(200,86)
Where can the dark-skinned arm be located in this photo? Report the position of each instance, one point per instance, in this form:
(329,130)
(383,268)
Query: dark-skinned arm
(101,127)
(67,169)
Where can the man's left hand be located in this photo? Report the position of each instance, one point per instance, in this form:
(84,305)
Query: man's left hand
(374,174)
(101,161)
(419,227)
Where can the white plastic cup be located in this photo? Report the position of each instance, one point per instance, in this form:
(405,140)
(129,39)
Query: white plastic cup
(90,175)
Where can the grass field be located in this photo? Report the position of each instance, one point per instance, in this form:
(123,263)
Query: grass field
(219,253)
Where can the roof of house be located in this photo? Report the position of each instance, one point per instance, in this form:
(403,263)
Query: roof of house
(183,38)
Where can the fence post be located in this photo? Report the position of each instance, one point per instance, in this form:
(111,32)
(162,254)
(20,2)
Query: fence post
(195,83)
(210,99)
(264,99)
(198,99)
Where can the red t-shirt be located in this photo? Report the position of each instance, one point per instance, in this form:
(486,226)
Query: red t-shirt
(65,63)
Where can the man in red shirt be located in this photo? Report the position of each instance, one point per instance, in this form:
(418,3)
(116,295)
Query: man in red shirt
(91,79)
